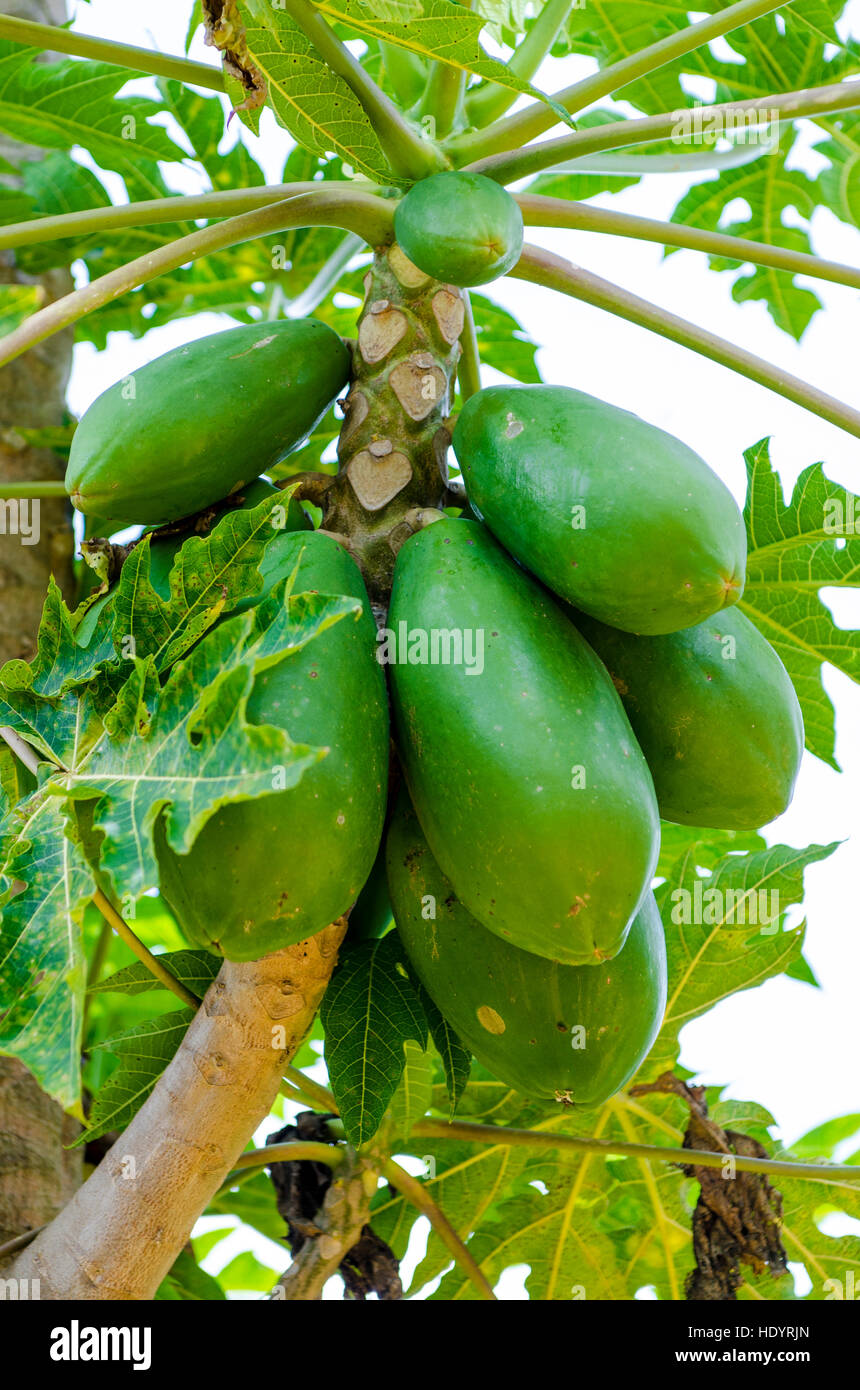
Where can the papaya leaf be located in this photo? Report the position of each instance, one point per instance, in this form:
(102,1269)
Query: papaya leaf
(412,1097)
(601,1226)
(791,306)
(210,575)
(60,663)
(44,885)
(316,106)
(837,186)
(143,1052)
(57,184)
(793,551)
(186,1280)
(194,969)
(368,1012)
(17,303)
(58,106)
(822,1141)
(705,846)
(247,1273)
(253,1202)
(503,342)
(16,781)
(456,1059)
(442,31)
(724,932)
(180,751)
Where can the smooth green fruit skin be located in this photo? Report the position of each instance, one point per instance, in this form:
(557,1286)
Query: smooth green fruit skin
(203,419)
(495,761)
(716,715)
(517,1012)
(463,229)
(615,515)
(266,873)
(372,916)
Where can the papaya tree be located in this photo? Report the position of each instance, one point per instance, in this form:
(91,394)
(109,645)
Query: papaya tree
(393,789)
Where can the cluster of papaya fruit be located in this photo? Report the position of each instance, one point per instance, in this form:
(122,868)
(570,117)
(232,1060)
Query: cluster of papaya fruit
(566,666)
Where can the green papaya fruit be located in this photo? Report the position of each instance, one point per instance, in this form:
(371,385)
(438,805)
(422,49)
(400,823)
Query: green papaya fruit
(463,229)
(203,419)
(616,516)
(263,874)
(575,1033)
(715,714)
(524,772)
(372,915)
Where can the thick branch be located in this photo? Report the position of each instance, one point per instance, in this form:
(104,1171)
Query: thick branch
(553,272)
(539,211)
(120,1234)
(507,167)
(420,1198)
(357,212)
(535,119)
(184,207)
(464,1130)
(54,40)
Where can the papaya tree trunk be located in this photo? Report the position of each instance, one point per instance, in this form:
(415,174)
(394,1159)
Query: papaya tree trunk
(122,1231)
(393,446)
(37,1175)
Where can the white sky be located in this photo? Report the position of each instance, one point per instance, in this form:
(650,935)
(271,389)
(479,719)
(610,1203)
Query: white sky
(784,1045)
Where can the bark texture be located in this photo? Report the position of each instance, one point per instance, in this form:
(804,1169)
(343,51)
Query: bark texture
(393,446)
(37,1177)
(122,1231)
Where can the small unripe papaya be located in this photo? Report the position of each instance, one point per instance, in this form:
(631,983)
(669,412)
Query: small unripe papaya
(463,229)
(191,426)
(265,873)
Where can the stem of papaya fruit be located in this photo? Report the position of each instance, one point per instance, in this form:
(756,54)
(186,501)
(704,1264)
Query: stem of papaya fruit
(48,38)
(544,268)
(540,211)
(363,213)
(464,1130)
